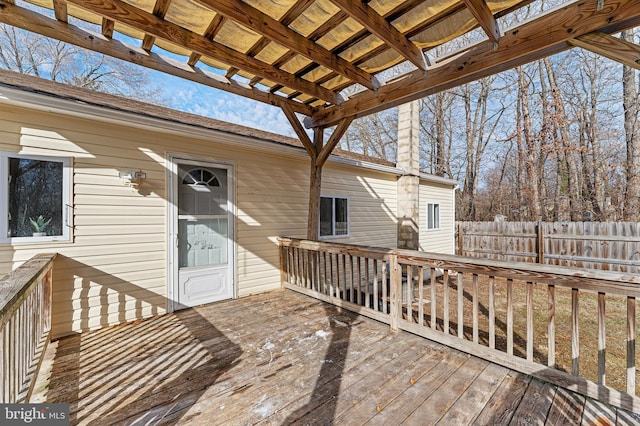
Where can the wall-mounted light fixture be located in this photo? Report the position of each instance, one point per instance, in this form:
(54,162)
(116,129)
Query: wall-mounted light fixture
(132,178)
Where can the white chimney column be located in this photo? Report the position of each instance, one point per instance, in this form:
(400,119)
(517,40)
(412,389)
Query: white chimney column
(409,183)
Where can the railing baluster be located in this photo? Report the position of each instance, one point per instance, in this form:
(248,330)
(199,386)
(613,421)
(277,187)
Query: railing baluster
(492,313)
(334,274)
(367,275)
(421,296)
(344,277)
(359,278)
(323,273)
(290,263)
(434,312)
(460,288)
(385,287)
(317,268)
(409,293)
(475,308)
(510,316)
(12,360)
(575,333)
(376,300)
(350,283)
(602,340)
(551,328)
(339,276)
(529,321)
(631,345)
(445,302)
(297,273)
(309,270)
(396,292)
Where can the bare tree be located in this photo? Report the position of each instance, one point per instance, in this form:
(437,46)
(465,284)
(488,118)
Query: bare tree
(436,128)
(631,106)
(529,147)
(374,135)
(28,53)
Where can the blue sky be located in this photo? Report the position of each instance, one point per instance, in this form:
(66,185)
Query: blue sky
(202,100)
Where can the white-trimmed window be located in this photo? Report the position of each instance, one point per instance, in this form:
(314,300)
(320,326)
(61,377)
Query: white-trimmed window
(433,216)
(35,198)
(334,216)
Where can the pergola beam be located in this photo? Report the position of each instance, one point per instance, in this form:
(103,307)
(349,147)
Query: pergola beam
(485,18)
(273,29)
(299,129)
(539,38)
(337,134)
(148,23)
(610,47)
(32,21)
(381,28)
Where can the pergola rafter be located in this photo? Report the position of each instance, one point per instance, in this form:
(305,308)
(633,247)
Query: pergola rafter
(277,32)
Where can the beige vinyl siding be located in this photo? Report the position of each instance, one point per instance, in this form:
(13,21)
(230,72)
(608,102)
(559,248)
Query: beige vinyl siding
(115,267)
(372,204)
(437,240)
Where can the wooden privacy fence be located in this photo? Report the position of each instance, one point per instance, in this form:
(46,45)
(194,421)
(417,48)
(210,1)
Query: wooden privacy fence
(573,328)
(612,246)
(25,322)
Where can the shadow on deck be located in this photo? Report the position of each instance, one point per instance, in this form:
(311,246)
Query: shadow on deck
(285,358)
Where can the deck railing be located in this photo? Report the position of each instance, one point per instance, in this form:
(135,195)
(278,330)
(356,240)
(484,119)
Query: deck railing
(25,322)
(575,328)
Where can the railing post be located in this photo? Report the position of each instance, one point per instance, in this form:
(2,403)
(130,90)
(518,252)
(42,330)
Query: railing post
(283,257)
(396,292)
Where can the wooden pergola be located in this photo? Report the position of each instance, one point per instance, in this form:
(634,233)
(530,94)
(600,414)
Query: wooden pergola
(323,59)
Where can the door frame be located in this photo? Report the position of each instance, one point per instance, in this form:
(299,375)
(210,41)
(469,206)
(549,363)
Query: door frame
(172,219)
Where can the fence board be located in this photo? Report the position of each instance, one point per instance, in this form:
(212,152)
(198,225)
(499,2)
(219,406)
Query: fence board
(611,246)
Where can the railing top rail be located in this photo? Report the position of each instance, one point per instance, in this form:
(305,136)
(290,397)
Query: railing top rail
(337,248)
(17,283)
(621,283)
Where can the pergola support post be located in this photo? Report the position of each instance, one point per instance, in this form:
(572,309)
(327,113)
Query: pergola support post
(315,188)
(319,154)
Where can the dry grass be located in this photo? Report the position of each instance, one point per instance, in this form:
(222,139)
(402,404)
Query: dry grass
(616,332)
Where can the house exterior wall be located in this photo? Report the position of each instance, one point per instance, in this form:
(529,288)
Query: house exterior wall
(115,268)
(441,240)
(372,204)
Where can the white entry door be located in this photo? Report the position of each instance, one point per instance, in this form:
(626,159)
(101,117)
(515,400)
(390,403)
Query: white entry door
(203,224)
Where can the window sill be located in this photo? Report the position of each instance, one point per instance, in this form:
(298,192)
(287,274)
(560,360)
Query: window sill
(327,237)
(34,240)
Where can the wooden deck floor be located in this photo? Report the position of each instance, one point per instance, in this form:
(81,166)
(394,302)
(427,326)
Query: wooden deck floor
(283,358)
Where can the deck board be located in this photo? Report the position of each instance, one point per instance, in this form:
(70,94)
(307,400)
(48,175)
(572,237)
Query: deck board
(470,403)
(505,400)
(438,403)
(285,358)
